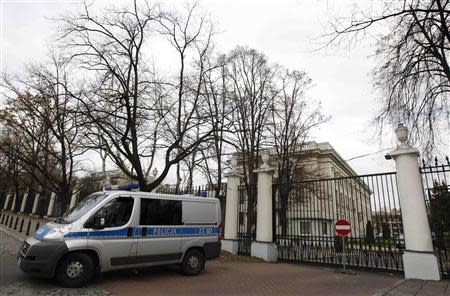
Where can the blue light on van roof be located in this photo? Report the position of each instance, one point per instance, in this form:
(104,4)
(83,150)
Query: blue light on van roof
(129,186)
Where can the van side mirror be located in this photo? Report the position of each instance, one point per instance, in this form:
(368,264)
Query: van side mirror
(96,223)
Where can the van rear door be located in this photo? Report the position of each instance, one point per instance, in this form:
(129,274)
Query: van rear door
(201,219)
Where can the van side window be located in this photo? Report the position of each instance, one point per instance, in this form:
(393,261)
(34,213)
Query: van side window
(117,212)
(160,212)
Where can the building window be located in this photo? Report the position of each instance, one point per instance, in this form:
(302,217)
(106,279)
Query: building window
(324,228)
(305,227)
(360,215)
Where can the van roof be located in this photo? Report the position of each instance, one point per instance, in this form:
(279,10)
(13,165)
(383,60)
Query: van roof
(161,195)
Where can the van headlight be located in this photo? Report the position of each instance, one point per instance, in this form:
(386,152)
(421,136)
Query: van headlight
(58,232)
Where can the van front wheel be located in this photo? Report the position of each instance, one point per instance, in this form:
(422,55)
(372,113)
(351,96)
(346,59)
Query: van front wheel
(193,262)
(75,270)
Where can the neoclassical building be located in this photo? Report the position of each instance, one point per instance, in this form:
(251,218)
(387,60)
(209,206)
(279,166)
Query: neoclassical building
(325,190)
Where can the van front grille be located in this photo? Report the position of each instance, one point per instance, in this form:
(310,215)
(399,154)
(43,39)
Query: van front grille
(25,248)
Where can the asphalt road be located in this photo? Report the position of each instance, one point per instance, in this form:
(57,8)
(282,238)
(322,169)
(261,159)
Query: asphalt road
(14,282)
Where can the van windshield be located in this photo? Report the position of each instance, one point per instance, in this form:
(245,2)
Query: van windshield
(81,208)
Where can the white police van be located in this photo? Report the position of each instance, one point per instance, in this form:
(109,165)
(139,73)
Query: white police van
(121,229)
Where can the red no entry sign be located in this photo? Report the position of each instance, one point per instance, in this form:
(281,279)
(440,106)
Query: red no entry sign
(342,227)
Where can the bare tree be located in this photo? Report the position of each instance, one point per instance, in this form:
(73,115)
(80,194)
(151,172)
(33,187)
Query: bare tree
(293,116)
(413,72)
(251,93)
(211,156)
(42,113)
(137,115)
(11,170)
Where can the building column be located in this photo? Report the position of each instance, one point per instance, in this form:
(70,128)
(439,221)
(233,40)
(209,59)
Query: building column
(13,205)
(74,198)
(51,204)
(264,247)
(419,260)
(230,241)
(36,200)
(8,196)
(24,201)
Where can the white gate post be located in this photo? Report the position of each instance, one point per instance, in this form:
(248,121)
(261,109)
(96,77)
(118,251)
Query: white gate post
(74,198)
(264,247)
(419,260)
(36,200)
(230,241)
(8,196)
(13,205)
(24,201)
(51,204)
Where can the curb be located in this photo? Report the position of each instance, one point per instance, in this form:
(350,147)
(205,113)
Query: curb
(389,289)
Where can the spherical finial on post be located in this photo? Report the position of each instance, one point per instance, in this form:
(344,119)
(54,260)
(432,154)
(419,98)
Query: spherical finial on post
(265,157)
(233,162)
(402,133)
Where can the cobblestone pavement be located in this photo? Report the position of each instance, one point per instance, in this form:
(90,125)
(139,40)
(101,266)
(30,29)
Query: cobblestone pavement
(14,282)
(419,288)
(248,278)
(31,288)
(8,246)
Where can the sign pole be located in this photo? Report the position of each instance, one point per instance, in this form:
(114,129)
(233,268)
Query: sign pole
(343,252)
(343,228)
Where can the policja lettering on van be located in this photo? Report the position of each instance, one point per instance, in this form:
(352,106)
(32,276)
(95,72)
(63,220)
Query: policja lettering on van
(163,231)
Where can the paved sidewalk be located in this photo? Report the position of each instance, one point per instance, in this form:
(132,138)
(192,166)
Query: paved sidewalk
(419,288)
(245,278)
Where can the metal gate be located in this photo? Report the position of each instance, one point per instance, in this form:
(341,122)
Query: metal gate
(435,179)
(247,219)
(305,213)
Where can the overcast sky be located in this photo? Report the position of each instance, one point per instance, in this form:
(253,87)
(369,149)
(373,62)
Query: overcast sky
(285,31)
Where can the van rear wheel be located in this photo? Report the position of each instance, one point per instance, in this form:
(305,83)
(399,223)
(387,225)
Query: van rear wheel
(75,270)
(193,262)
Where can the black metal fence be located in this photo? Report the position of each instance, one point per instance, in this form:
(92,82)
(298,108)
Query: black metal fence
(435,179)
(204,191)
(305,213)
(247,219)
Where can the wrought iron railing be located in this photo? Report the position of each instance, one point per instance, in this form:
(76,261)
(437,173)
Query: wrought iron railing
(435,179)
(247,218)
(305,213)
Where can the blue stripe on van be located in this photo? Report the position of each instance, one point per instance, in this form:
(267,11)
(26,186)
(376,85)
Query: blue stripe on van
(151,232)
(113,233)
(137,231)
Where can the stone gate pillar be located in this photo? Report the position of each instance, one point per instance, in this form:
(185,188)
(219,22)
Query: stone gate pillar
(419,260)
(230,241)
(51,204)
(8,196)
(24,201)
(264,247)
(13,205)
(36,200)
(74,198)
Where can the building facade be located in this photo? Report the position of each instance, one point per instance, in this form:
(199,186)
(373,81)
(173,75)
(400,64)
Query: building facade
(325,191)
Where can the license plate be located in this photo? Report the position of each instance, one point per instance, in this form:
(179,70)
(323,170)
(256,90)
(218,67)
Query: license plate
(19,261)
